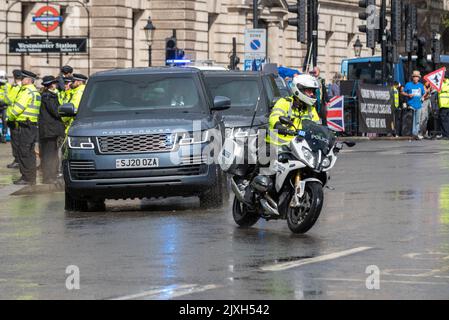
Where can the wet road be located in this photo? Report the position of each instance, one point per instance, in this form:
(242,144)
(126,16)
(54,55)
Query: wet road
(389,209)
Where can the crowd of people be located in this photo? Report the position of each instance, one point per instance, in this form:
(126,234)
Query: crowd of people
(32,116)
(428,108)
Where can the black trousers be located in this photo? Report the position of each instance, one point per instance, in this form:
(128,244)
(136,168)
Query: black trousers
(397,121)
(49,154)
(4,124)
(14,142)
(27,137)
(444,120)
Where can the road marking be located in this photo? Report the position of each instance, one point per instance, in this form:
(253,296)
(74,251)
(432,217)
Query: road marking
(169,292)
(327,257)
(382,281)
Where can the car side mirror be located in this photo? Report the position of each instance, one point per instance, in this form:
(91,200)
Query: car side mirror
(67,110)
(221,103)
(286,121)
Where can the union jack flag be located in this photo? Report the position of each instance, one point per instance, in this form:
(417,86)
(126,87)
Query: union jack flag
(336,114)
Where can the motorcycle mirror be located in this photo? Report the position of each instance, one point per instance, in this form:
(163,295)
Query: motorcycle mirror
(286,121)
(350,144)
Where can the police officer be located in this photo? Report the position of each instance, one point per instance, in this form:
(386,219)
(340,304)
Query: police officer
(13,127)
(25,112)
(299,107)
(51,129)
(78,87)
(66,72)
(443,102)
(65,95)
(4,102)
(397,110)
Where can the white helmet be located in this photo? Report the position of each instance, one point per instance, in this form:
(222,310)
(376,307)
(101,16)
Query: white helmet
(3,78)
(302,83)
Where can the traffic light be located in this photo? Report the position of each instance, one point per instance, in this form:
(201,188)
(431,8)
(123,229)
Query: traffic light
(170,49)
(300,21)
(396,20)
(411,29)
(421,61)
(369,14)
(436,48)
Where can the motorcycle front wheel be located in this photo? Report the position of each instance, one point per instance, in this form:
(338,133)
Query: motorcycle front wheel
(300,220)
(244,217)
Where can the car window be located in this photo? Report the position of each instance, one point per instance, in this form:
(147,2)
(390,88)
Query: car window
(143,94)
(244,92)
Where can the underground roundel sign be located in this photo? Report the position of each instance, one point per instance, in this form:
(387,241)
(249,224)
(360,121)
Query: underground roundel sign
(47,19)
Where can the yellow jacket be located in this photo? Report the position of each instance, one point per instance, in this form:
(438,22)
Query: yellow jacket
(443,96)
(75,97)
(284,108)
(26,106)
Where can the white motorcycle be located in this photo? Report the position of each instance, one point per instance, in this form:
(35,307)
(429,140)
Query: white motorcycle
(291,188)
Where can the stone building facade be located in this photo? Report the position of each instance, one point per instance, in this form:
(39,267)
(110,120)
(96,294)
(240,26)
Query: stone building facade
(204,29)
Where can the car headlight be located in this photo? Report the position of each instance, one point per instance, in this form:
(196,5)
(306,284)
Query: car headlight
(80,143)
(196,138)
(309,157)
(326,162)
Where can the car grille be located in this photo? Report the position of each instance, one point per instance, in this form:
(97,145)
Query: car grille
(191,170)
(82,165)
(136,143)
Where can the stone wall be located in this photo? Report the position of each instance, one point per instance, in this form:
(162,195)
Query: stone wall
(204,29)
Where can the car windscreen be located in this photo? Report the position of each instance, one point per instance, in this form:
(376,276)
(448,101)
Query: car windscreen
(243,92)
(143,94)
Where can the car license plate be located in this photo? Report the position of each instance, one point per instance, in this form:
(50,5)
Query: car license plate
(137,163)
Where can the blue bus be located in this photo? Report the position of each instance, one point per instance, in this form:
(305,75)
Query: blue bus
(369,69)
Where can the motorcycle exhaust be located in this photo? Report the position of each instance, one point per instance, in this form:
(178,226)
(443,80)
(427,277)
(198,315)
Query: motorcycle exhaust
(269,206)
(239,194)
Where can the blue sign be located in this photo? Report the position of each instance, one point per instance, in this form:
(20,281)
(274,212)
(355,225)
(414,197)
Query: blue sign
(255,44)
(48,19)
(248,65)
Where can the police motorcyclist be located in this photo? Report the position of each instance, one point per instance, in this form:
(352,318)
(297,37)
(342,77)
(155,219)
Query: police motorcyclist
(300,106)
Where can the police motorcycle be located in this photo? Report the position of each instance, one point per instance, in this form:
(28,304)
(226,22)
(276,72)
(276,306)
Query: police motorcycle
(301,172)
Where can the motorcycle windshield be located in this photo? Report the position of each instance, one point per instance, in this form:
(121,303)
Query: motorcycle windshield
(318,137)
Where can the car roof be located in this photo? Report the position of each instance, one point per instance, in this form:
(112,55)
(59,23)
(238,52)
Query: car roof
(145,71)
(233,73)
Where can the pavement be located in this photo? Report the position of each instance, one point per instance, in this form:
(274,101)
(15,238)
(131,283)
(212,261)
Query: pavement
(386,220)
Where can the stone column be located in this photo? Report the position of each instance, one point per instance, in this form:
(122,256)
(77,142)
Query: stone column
(274,50)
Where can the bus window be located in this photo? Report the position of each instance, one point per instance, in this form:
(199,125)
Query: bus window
(369,72)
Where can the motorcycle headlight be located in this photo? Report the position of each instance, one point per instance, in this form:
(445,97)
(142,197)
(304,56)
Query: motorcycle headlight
(80,143)
(196,138)
(309,157)
(326,162)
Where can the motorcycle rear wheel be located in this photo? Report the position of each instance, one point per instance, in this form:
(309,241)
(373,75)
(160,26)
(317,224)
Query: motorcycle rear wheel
(301,220)
(244,217)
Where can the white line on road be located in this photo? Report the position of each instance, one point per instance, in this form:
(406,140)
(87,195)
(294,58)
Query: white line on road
(169,292)
(382,281)
(327,257)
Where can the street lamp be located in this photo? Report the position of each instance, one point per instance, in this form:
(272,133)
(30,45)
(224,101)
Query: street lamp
(358,46)
(149,33)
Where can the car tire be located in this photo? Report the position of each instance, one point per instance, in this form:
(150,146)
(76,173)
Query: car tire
(73,204)
(214,197)
(97,206)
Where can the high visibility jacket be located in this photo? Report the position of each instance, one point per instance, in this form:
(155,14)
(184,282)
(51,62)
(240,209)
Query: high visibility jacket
(443,96)
(64,96)
(4,93)
(396,97)
(75,98)
(284,108)
(27,105)
(13,93)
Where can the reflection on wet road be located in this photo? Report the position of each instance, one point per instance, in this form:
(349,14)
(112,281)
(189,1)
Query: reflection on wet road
(390,209)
